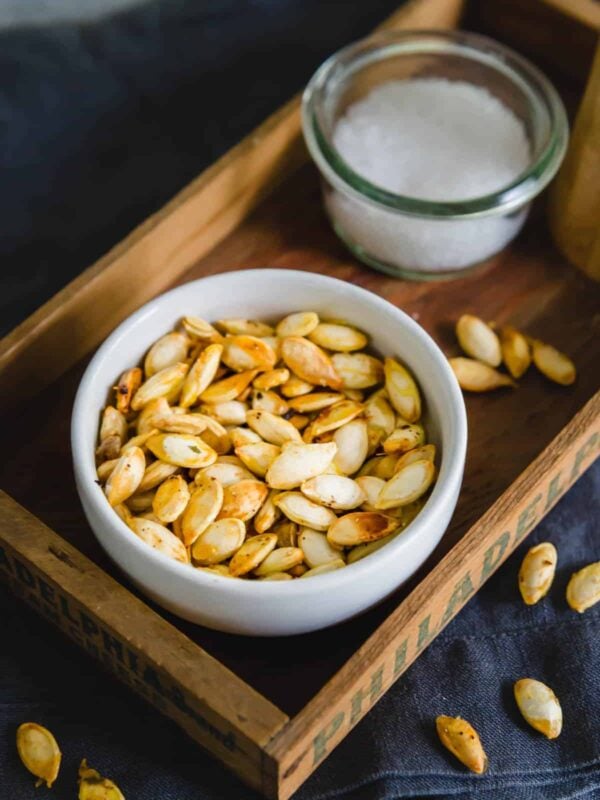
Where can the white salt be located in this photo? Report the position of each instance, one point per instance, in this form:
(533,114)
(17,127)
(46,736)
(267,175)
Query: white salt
(430,139)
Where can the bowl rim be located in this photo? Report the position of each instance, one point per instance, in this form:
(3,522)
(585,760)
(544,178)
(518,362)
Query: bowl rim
(446,486)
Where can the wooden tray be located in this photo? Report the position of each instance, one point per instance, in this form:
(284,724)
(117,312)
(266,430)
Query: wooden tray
(272,713)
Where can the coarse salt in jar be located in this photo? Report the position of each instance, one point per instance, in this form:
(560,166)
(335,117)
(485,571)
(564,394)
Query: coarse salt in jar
(431,146)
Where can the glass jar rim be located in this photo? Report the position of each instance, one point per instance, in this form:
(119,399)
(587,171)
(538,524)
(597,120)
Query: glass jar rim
(469,45)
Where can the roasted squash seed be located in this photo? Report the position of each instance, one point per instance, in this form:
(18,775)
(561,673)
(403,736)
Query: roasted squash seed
(537,572)
(583,589)
(243,424)
(473,376)
(359,527)
(478,340)
(516,352)
(92,786)
(539,706)
(553,364)
(252,553)
(219,541)
(39,752)
(462,740)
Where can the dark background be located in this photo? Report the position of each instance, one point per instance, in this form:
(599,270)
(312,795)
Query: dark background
(100,124)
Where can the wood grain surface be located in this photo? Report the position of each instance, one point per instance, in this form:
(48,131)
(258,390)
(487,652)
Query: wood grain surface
(258,207)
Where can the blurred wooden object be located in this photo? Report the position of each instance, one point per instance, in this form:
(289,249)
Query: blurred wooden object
(575,195)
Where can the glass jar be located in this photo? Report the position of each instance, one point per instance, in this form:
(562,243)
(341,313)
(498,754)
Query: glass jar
(411,237)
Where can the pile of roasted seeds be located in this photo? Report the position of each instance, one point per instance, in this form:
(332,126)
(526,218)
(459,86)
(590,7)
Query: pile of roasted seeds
(266,452)
(488,350)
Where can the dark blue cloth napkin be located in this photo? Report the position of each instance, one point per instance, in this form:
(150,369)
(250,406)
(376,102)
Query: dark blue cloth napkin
(100,125)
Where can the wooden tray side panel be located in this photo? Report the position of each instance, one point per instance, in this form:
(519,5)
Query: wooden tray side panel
(301,746)
(151,259)
(215,707)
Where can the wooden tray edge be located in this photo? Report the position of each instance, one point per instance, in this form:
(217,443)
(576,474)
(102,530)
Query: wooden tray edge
(308,738)
(214,706)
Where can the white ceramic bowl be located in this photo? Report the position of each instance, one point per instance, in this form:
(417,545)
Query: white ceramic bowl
(273,608)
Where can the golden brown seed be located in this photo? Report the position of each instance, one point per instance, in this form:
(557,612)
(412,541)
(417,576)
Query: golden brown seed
(298,462)
(424,453)
(268,514)
(315,401)
(232,412)
(516,352)
(92,786)
(309,362)
(583,589)
(153,415)
(139,441)
(537,572)
(252,553)
(272,428)
(333,491)
(385,467)
(295,387)
(357,370)
(407,485)
(39,752)
(217,569)
(247,353)
(539,706)
(359,527)
(277,576)
(201,375)
(225,473)
(379,414)
(371,486)
(181,450)
(245,327)
(126,476)
(271,379)
(105,469)
(462,740)
(322,569)
(280,560)
(140,502)
(363,550)
(406,437)
(352,442)
(200,329)
(129,382)
(108,449)
(124,513)
(166,351)
(402,390)
(229,388)
(219,541)
(156,473)
(335,416)
(258,456)
(478,340)
(316,548)
(219,442)
(269,401)
(287,533)
(298,324)
(203,507)
(473,376)
(159,538)
(171,498)
(242,500)
(113,424)
(556,366)
(341,338)
(165,383)
(299,421)
(300,509)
